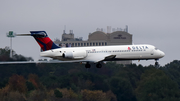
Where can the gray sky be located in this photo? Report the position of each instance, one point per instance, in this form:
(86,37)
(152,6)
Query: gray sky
(154,22)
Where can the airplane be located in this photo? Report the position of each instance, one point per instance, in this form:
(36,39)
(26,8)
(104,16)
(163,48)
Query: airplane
(94,54)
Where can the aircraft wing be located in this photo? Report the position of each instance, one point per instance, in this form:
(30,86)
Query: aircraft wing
(16,62)
(100,57)
(36,62)
(94,59)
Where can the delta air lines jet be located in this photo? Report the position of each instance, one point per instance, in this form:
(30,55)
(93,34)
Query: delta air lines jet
(94,54)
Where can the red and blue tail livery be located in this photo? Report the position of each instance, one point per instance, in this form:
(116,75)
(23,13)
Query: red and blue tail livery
(43,40)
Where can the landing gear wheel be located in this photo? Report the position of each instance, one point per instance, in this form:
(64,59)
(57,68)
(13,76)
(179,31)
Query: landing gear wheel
(98,65)
(87,65)
(156,63)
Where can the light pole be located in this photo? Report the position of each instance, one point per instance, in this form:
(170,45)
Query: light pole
(11,34)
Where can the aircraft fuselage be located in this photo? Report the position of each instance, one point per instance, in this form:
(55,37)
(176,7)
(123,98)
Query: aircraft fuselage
(120,52)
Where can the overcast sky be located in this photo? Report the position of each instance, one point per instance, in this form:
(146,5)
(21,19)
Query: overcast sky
(155,22)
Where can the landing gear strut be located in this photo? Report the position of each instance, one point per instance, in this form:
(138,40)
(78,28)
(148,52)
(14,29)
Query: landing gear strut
(156,63)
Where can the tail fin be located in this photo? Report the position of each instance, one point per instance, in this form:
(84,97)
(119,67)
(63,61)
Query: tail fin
(43,40)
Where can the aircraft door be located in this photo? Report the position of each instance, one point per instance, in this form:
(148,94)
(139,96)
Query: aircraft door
(152,52)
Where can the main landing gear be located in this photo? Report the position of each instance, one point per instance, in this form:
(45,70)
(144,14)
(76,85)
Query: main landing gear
(98,65)
(87,65)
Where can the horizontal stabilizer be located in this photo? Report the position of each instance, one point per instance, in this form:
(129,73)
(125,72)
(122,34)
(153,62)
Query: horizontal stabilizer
(23,34)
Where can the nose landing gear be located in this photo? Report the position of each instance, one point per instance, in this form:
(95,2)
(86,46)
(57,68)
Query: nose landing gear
(156,63)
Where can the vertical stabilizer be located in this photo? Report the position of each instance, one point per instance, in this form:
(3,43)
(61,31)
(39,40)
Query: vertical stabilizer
(43,40)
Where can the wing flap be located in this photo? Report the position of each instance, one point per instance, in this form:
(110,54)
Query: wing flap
(95,58)
(100,57)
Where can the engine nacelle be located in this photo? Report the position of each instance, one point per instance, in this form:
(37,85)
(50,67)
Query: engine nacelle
(75,54)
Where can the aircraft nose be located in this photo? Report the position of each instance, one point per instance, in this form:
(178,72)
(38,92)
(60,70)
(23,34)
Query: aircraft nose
(162,54)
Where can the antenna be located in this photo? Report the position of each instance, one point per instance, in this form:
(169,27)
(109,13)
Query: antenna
(65,27)
(126,28)
(64,31)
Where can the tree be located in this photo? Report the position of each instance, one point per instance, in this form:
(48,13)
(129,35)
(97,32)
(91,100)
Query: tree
(172,70)
(17,83)
(34,79)
(38,95)
(4,56)
(13,96)
(122,88)
(96,95)
(111,96)
(58,94)
(30,86)
(155,85)
(70,94)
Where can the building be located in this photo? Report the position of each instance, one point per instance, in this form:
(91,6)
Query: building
(98,38)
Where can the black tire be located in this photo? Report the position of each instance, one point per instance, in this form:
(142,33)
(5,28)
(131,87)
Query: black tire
(87,65)
(156,63)
(98,65)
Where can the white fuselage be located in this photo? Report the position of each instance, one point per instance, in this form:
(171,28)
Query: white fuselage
(99,53)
